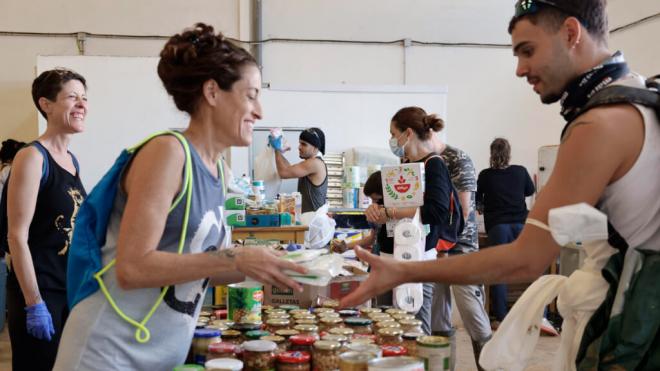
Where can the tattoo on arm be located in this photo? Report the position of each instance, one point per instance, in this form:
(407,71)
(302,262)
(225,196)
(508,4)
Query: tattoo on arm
(224,253)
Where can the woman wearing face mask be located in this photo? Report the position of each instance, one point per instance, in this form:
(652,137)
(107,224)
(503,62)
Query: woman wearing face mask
(411,129)
(43,195)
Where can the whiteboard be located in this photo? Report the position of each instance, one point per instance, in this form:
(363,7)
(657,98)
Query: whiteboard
(127,102)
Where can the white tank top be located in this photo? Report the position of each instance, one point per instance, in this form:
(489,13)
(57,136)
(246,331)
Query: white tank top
(632,203)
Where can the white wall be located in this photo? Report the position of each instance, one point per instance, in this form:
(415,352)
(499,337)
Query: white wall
(485,98)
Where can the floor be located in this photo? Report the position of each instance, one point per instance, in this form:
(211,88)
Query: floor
(540,361)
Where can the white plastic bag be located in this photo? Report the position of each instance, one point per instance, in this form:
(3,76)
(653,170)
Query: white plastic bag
(320,270)
(321,227)
(266,170)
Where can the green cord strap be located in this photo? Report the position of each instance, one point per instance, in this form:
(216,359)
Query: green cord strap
(142,334)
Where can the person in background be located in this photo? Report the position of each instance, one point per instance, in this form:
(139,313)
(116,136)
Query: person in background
(7,153)
(217,83)
(411,131)
(608,158)
(470,299)
(501,192)
(312,172)
(43,195)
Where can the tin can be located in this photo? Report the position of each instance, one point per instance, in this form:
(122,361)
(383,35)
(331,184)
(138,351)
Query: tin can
(435,351)
(396,363)
(244,302)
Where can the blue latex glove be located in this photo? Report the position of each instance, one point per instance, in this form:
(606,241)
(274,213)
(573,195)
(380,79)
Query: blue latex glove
(39,322)
(276,143)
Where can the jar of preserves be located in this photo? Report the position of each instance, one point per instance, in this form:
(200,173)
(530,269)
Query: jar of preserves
(256,334)
(275,324)
(411,325)
(393,311)
(326,355)
(359,325)
(301,343)
(280,341)
(231,336)
(363,338)
(389,335)
(319,310)
(259,355)
(221,350)
(202,338)
(345,313)
(410,342)
(390,350)
(294,361)
(344,331)
(400,317)
(341,339)
(306,329)
(327,323)
(305,315)
(379,316)
(387,324)
(365,348)
(354,361)
(364,312)
(328,315)
(294,312)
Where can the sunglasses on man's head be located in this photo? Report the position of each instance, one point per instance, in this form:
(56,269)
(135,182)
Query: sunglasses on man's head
(526,7)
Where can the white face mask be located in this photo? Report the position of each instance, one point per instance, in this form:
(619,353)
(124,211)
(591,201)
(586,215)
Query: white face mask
(397,150)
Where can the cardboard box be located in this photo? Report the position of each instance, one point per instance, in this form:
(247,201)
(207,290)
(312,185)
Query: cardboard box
(235,201)
(403,185)
(337,289)
(235,218)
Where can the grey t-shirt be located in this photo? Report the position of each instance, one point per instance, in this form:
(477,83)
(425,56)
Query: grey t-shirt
(96,338)
(464,178)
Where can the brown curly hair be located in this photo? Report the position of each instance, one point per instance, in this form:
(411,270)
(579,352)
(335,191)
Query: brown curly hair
(500,153)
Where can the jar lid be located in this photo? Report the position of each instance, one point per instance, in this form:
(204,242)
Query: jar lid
(223,364)
(433,341)
(412,335)
(204,313)
(355,358)
(275,310)
(400,317)
(322,310)
(391,350)
(220,328)
(395,311)
(259,346)
(410,322)
(341,331)
(222,347)
(302,339)
(188,368)
(206,333)
(231,334)
(363,340)
(323,315)
(294,312)
(379,316)
(386,324)
(288,307)
(246,326)
(278,322)
(326,345)
(256,334)
(333,337)
(358,321)
(385,307)
(222,322)
(306,328)
(390,331)
(294,357)
(286,332)
(348,313)
(274,338)
(369,310)
(265,307)
(365,348)
(330,303)
(331,320)
(305,315)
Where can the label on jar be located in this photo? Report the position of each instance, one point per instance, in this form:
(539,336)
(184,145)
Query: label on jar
(244,302)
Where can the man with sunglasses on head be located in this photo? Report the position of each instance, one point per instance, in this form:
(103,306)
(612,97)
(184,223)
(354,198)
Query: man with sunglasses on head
(312,172)
(609,158)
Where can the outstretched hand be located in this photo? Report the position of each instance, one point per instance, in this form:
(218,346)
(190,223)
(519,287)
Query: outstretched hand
(385,274)
(267,267)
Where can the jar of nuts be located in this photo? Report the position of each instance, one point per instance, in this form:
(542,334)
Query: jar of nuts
(259,355)
(307,330)
(231,336)
(410,342)
(294,361)
(326,355)
(301,343)
(274,324)
(389,335)
(411,325)
(359,325)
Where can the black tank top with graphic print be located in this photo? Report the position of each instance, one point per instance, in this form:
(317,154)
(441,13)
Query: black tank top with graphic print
(51,229)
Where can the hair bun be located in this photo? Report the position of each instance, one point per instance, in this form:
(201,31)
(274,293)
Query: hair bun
(433,122)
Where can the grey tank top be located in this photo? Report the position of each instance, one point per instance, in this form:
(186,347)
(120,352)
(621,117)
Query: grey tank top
(313,196)
(98,336)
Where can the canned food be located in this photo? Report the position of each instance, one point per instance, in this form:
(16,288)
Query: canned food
(396,363)
(435,351)
(354,361)
(244,302)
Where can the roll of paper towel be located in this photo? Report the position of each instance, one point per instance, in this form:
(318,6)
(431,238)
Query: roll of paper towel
(407,232)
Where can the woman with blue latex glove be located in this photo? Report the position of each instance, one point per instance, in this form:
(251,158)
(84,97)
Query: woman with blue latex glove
(41,200)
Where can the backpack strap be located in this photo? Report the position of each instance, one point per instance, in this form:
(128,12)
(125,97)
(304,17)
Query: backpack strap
(45,169)
(142,333)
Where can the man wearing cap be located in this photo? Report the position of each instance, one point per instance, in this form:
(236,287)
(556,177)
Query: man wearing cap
(312,173)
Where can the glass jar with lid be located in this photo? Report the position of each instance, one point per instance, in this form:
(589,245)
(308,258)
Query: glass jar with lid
(403,316)
(387,324)
(259,355)
(265,308)
(359,325)
(303,315)
(286,334)
(393,311)
(202,338)
(411,325)
(256,334)
(222,350)
(327,323)
(389,335)
(328,315)
(364,312)
(326,355)
(294,361)
(331,303)
(345,331)
(301,343)
(319,310)
(225,364)
(364,338)
(280,341)
(379,316)
(354,361)
(232,336)
(275,324)
(345,313)
(289,307)
(294,312)
(410,342)
(365,348)
(391,350)
(307,329)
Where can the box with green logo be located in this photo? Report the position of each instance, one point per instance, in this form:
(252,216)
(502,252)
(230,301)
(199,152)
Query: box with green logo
(235,218)
(235,201)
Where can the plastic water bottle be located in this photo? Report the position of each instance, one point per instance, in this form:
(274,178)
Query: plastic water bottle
(259,191)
